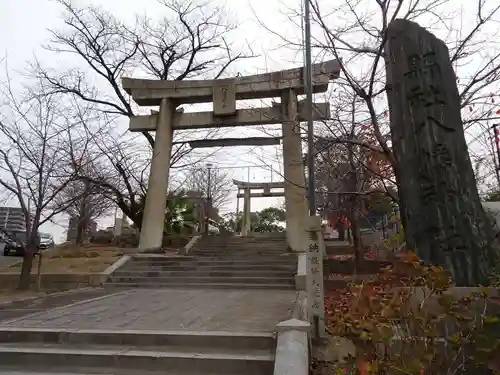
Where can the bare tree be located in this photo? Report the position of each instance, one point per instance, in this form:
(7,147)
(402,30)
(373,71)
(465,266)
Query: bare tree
(211,182)
(347,173)
(192,40)
(355,33)
(333,144)
(84,202)
(468,42)
(34,165)
(482,147)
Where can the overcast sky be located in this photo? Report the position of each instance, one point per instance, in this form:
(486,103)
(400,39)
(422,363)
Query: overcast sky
(24,28)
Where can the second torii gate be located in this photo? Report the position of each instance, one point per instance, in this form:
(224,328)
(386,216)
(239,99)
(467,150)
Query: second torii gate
(247,194)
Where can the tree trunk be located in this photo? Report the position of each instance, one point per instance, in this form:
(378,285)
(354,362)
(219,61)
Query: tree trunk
(84,215)
(134,213)
(356,241)
(384,229)
(80,230)
(354,210)
(25,278)
(31,247)
(341,230)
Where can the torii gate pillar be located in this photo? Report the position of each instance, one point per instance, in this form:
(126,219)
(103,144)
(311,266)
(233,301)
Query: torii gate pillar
(295,190)
(156,198)
(246,224)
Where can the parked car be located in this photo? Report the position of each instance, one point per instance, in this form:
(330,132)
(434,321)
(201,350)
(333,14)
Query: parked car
(15,243)
(213,229)
(46,241)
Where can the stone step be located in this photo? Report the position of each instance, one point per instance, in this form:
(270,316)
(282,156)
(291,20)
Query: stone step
(223,261)
(236,240)
(242,246)
(278,241)
(204,279)
(50,370)
(196,285)
(250,245)
(221,254)
(78,358)
(203,273)
(231,268)
(240,251)
(245,239)
(195,255)
(161,257)
(249,256)
(72,352)
(178,339)
(210,267)
(165,260)
(231,256)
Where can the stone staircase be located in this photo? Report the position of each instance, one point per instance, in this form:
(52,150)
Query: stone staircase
(26,351)
(215,262)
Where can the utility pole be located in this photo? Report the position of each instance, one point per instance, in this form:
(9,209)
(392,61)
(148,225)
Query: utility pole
(209,197)
(496,158)
(209,182)
(309,109)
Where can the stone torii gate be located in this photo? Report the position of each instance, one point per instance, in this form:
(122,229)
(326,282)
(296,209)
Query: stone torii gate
(286,84)
(247,194)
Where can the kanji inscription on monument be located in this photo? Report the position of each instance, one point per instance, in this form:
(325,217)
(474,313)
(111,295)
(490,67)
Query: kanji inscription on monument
(444,220)
(315,292)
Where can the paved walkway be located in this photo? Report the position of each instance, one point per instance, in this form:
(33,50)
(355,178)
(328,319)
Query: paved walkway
(170,309)
(22,307)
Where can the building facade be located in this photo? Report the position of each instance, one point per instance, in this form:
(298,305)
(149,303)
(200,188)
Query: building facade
(12,219)
(202,209)
(72,229)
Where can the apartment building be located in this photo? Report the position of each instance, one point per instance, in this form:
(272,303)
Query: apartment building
(12,219)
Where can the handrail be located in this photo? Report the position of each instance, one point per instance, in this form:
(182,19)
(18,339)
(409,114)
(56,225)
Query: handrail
(192,242)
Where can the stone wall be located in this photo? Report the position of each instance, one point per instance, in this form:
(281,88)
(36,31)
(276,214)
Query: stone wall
(55,282)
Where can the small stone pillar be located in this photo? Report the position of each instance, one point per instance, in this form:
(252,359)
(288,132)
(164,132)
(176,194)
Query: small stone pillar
(315,287)
(245,227)
(292,348)
(237,213)
(156,198)
(295,188)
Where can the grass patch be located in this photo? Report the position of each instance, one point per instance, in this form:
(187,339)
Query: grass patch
(72,259)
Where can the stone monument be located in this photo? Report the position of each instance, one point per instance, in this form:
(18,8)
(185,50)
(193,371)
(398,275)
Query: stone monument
(443,217)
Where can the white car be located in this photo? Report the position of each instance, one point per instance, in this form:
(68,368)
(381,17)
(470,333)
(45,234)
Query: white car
(212,229)
(46,241)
